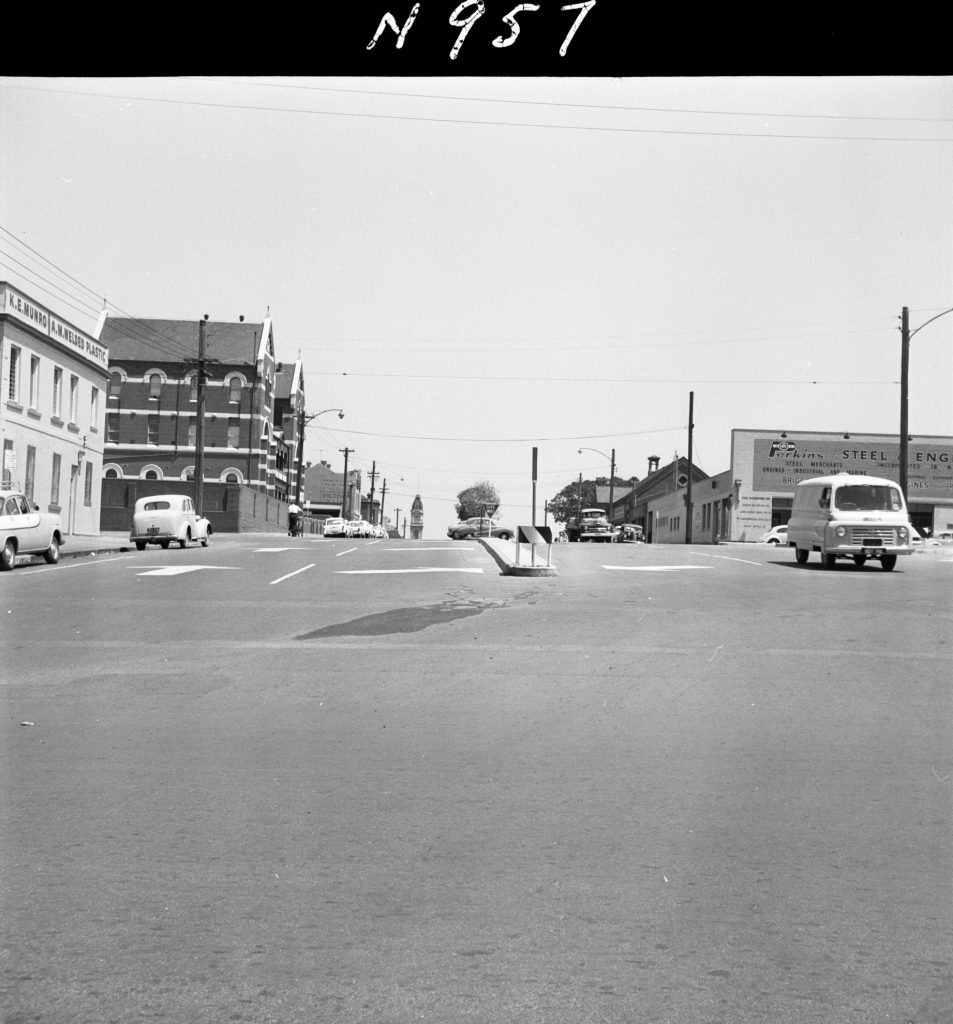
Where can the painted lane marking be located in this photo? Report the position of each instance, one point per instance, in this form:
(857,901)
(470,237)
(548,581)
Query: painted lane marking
(655,568)
(179,570)
(393,572)
(259,551)
(281,579)
(728,558)
(349,550)
(417,550)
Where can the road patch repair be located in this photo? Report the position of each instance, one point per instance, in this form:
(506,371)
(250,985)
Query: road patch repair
(402,620)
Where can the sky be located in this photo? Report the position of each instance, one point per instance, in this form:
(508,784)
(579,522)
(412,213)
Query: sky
(472,268)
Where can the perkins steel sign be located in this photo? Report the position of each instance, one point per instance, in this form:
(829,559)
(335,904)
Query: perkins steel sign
(781,463)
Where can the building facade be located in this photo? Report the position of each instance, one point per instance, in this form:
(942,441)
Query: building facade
(52,415)
(767,464)
(152,422)
(323,494)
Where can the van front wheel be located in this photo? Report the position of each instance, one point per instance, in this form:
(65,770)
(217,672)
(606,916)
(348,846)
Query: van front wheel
(801,555)
(887,562)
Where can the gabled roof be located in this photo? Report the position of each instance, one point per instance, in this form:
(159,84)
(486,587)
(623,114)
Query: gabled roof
(602,493)
(178,340)
(288,379)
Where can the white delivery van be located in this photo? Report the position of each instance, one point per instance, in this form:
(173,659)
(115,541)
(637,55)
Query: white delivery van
(847,516)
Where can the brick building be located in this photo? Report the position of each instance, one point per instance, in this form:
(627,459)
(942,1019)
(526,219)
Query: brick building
(252,406)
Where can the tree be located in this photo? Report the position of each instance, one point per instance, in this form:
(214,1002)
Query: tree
(473,500)
(572,497)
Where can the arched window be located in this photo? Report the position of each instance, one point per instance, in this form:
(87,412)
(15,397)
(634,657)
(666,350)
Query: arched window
(155,385)
(235,390)
(150,473)
(112,472)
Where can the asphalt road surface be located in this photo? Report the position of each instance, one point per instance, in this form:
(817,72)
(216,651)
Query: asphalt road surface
(291,780)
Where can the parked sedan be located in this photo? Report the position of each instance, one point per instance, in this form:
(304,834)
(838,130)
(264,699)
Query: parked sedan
(779,535)
(478,526)
(25,530)
(334,527)
(163,518)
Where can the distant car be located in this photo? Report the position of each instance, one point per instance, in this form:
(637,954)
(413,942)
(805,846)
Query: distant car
(25,530)
(378,532)
(357,528)
(334,527)
(779,535)
(478,526)
(945,537)
(163,518)
(629,533)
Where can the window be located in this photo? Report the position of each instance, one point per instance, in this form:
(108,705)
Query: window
(112,428)
(235,390)
(234,429)
(13,391)
(30,471)
(115,385)
(8,462)
(151,474)
(34,382)
(111,473)
(55,479)
(192,432)
(94,408)
(155,386)
(88,484)
(73,398)
(57,391)
(193,388)
(152,429)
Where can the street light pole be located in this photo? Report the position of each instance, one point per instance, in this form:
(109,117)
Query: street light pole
(305,420)
(611,476)
(906,336)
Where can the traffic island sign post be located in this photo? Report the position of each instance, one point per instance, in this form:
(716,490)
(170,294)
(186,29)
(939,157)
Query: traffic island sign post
(534,535)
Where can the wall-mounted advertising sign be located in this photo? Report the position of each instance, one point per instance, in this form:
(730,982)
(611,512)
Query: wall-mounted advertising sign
(780,463)
(19,306)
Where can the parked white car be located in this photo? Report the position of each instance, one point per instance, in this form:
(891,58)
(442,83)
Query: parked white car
(163,518)
(779,535)
(334,527)
(25,530)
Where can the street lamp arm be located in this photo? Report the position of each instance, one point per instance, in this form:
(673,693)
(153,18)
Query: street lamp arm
(596,450)
(307,419)
(930,321)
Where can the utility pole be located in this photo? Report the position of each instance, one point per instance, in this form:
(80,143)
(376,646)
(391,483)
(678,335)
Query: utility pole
(904,383)
(200,366)
(688,492)
(370,507)
(346,451)
(612,487)
(579,498)
(383,495)
(397,520)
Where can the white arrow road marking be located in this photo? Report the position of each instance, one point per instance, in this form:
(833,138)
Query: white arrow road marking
(655,568)
(416,551)
(178,570)
(281,579)
(391,572)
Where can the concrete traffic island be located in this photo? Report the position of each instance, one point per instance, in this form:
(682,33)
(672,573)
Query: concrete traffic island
(516,559)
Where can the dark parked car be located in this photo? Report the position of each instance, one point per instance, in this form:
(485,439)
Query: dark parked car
(478,527)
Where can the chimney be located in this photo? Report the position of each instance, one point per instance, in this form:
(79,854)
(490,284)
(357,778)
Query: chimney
(653,464)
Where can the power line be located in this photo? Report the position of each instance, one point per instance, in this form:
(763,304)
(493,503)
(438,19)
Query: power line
(597,380)
(581,106)
(471,122)
(513,440)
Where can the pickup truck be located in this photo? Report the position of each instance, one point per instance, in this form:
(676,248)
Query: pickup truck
(591,524)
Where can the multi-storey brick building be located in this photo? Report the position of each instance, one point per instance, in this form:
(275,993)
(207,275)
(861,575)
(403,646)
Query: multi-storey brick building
(251,405)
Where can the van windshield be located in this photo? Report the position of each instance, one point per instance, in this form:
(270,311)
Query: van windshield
(868,498)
